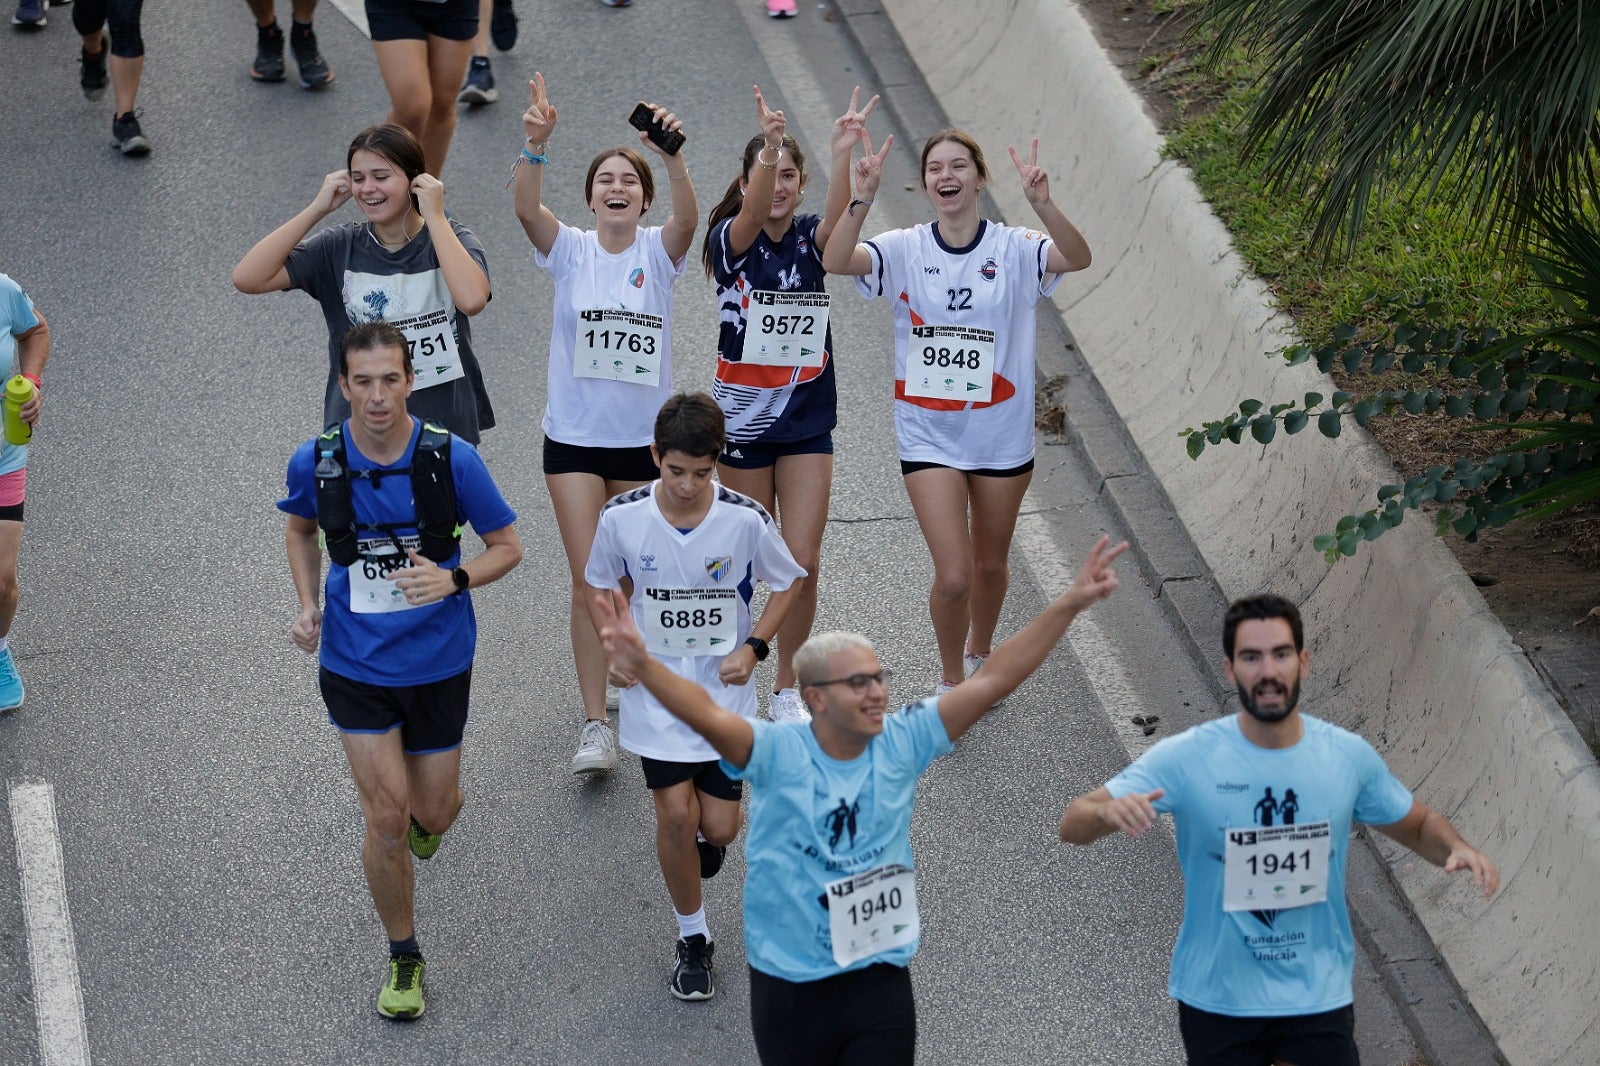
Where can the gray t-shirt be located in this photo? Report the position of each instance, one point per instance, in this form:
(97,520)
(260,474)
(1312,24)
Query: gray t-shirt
(357,280)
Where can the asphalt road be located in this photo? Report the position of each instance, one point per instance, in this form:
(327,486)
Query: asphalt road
(209,831)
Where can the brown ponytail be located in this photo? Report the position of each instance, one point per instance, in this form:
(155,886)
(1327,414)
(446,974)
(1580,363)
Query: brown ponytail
(731,200)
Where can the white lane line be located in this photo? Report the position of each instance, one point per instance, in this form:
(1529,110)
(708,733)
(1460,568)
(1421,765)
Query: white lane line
(52,953)
(356,12)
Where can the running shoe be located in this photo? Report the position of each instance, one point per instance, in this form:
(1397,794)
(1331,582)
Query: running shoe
(314,70)
(10,682)
(401,996)
(691,978)
(30,15)
(503,26)
(597,749)
(970,665)
(93,76)
(617,3)
(268,66)
(786,706)
(943,687)
(613,697)
(424,845)
(711,857)
(127,137)
(781,9)
(479,87)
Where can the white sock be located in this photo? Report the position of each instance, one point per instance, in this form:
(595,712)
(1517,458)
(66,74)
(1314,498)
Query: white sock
(4,644)
(690,924)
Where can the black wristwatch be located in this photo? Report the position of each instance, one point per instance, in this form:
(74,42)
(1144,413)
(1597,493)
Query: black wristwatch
(759,646)
(461,578)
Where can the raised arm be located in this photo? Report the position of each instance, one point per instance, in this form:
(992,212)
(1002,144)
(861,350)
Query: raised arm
(1070,251)
(845,255)
(1096,814)
(538,123)
(757,202)
(1430,834)
(729,734)
(468,284)
(677,233)
(848,130)
(261,269)
(1021,655)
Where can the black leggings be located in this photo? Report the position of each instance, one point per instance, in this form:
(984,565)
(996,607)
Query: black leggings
(863,1017)
(88,16)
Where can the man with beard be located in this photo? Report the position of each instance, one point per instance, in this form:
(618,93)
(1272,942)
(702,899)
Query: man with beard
(1262,966)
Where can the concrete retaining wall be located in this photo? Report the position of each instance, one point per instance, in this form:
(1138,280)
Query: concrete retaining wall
(1404,648)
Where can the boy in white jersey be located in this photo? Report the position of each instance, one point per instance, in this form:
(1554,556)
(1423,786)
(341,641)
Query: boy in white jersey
(688,553)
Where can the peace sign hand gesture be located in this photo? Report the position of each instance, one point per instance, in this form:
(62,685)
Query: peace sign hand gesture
(772,123)
(539,121)
(1035,183)
(851,127)
(869,168)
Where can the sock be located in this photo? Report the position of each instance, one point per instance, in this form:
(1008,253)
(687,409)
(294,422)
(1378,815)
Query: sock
(301,28)
(480,62)
(408,946)
(270,30)
(690,924)
(4,643)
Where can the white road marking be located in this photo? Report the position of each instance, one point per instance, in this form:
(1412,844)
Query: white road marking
(52,953)
(356,12)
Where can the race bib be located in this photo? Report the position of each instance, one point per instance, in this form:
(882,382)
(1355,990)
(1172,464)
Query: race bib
(785,328)
(951,363)
(617,345)
(1275,868)
(434,355)
(690,621)
(872,913)
(371,591)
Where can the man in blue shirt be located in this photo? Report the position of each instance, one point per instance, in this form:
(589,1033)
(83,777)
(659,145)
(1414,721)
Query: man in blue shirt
(830,904)
(1261,970)
(399,634)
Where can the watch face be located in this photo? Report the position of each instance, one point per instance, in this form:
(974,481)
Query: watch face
(459,576)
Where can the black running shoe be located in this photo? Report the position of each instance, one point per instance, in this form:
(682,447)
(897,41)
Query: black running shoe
(479,87)
(711,856)
(127,137)
(93,77)
(503,26)
(269,54)
(314,70)
(691,978)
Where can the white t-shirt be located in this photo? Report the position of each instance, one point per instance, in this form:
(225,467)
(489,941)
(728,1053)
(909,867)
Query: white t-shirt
(592,412)
(991,285)
(733,547)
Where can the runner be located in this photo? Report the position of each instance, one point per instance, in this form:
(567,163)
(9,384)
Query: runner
(423,47)
(268,67)
(964,291)
(24,349)
(1261,970)
(688,553)
(496,19)
(830,911)
(775,383)
(610,356)
(398,638)
(92,18)
(406,264)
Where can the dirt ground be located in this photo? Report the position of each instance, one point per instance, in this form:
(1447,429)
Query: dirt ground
(1543,580)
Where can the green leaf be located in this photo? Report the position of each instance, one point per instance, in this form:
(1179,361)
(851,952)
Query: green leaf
(1328,423)
(1235,432)
(1248,407)
(1325,542)
(1364,412)
(1263,428)
(1312,399)
(1457,406)
(1349,542)
(1382,361)
(1466,524)
(1341,398)
(1195,445)
(1486,405)
(1386,492)
(1343,332)
(1297,354)
(1351,358)
(1413,402)
(1294,422)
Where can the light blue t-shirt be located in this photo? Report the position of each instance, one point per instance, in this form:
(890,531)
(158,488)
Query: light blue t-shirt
(813,820)
(17,317)
(1266,963)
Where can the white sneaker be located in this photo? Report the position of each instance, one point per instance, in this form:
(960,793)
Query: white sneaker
(943,687)
(613,696)
(787,706)
(597,749)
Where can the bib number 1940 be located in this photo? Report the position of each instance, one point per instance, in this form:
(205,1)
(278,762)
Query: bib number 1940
(873,912)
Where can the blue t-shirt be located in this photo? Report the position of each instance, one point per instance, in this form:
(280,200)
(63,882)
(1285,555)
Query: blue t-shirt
(17,317)
(813,820)
(408,647)
(1266,963)
(769,404)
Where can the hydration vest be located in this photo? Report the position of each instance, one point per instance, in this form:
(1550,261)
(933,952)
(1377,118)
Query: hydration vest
(433,493)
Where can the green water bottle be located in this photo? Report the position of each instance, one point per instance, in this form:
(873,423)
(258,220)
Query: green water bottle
(19,390)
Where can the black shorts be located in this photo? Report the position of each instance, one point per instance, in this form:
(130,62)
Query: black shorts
(707,777)
(865,1017)
(431,718)
(13,513)
(754,455)
(417,20)
(1015,471)
(1326,1039)
(608,464)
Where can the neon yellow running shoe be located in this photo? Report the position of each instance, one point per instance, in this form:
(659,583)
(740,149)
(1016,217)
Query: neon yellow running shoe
(401,996)
(423,844)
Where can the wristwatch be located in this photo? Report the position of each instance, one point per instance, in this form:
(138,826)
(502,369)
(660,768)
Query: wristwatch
(759,646)
(461,578)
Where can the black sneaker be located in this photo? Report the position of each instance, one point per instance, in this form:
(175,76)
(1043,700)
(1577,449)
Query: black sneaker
(269,54)
(127,137)
(711,856)
(93,77)
(503,26)
(691,978)
(314,70)
(479,86)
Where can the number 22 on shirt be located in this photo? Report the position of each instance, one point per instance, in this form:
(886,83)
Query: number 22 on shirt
(618,345)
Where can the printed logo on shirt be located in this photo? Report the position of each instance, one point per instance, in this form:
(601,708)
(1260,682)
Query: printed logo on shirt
(802,245)
(1270,806)
(1032,235)
(841,820)
(717,567)
(1231,786)
(989,270)
(647,564)
(735,453)
(788,280)
(931,270)
(636,279)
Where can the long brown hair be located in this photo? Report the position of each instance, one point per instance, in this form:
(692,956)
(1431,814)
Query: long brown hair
(728,206)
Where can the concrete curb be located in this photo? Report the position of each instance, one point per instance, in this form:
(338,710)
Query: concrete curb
(1406,651)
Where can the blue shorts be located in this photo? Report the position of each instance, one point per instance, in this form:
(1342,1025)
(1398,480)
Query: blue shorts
(758,455)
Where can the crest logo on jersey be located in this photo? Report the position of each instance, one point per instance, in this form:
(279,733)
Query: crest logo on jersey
(647,564)
(803,245)
(636,279)
(718,566)
(989,269)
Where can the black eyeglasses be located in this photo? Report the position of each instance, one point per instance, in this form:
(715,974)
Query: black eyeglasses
(857,682)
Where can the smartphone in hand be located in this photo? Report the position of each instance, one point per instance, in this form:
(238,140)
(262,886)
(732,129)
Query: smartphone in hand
(643,118)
